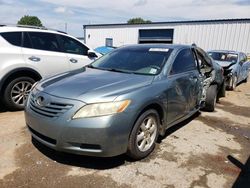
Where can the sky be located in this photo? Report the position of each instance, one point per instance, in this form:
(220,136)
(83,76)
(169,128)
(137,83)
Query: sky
(76,13)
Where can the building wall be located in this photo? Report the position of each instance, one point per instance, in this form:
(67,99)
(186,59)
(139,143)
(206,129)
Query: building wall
(234,35)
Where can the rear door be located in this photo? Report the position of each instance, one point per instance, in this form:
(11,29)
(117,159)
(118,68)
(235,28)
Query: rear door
(77,52)
(42,52)
(185,86)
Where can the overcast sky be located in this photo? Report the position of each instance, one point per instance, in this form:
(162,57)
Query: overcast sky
(55,13)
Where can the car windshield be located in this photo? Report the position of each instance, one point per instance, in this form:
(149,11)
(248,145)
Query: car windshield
(222,56)
(140,60)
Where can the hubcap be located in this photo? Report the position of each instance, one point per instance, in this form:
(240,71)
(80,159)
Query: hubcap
(146,134)
(20,92)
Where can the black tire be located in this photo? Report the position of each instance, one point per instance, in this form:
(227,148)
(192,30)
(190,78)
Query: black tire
(246,80)
(211,98)
(233,83)
(133,149)
(8,93)
(222,91)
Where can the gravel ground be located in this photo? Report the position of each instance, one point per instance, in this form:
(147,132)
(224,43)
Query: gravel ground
(207,150)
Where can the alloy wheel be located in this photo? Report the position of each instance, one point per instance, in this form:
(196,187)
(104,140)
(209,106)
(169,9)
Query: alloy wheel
(146,134)
(20,92)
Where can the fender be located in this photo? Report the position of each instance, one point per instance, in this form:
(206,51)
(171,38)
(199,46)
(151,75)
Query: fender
(163,123)
(18,70)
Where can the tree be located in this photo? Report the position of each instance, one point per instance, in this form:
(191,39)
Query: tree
(138,21)
(30,20)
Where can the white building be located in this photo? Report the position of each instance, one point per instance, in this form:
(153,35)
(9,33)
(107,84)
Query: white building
(228,34)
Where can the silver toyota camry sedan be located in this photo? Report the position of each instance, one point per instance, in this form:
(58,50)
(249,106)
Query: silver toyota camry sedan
(120,103)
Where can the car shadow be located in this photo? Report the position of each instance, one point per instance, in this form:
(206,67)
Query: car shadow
(243,180)
(2,108)
(100,163)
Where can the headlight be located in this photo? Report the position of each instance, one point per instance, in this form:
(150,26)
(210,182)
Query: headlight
(102,109)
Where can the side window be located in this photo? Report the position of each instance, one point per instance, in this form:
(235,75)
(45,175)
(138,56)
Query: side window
(13,38)
(72,46)
(26,41)
(44,41)
(183,62)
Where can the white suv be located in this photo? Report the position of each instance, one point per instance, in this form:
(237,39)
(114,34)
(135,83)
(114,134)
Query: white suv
(28,54)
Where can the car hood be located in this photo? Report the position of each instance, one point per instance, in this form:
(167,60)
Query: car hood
(93,85)
(225,63)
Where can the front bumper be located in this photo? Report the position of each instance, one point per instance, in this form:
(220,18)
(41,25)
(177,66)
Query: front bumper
(104,136)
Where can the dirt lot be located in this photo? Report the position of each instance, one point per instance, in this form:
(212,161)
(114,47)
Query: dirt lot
(208,150)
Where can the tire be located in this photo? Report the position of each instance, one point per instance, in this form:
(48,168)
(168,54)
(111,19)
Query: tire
(211,98)
(222,91)
(246,80)
(142,142)
(16,93)
(233,82)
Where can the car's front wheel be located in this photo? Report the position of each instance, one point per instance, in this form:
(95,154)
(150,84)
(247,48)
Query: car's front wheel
(16,92)
(211,98)
(233,82)
(144,135)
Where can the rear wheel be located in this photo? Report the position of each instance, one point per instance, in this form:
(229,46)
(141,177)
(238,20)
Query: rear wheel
(211,98)
(144,134)
(16,93)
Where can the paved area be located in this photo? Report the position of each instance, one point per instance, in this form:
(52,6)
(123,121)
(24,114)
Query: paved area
(207,150)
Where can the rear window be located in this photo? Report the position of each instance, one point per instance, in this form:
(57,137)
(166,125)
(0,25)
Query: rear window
(42,41)
(13,38)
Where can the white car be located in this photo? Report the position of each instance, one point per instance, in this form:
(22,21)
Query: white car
(28,54)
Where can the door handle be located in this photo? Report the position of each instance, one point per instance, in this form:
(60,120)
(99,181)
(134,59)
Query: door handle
(72,60)
(35,59)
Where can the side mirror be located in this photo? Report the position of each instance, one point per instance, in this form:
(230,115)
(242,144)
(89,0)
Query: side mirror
(92,54)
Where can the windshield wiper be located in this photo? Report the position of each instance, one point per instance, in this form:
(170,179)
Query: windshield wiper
(118,70)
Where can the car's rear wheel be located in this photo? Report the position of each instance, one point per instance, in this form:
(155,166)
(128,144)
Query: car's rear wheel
(16,93)
(144,135)
(211,98)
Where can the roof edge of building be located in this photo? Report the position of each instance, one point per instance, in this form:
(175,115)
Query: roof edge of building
(170,22)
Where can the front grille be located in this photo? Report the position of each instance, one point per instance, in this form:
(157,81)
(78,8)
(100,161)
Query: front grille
(45,138)
(51,110)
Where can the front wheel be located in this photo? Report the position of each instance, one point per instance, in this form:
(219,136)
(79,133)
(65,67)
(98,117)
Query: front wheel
(16,92)
(144,134)
(233,82)
(211,98)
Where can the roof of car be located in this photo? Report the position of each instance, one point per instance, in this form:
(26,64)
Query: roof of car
(7,28)
(169,46)
(225,51)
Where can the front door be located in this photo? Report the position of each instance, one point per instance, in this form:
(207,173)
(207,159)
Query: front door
(185,88)
(76,51)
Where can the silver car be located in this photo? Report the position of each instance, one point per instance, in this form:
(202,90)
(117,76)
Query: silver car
(121,102)
(235,64)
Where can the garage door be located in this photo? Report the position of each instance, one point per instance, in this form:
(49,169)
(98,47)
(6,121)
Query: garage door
(156,36)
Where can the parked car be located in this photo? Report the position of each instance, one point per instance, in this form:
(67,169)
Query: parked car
(104,49)
(122,101)
(235,64)
(30,53)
